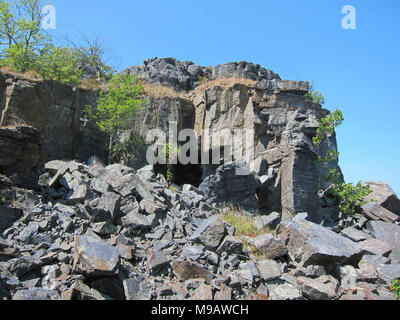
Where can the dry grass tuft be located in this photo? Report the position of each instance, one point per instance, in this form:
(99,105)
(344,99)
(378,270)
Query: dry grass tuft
(225,83)
(93,84)
(160,91)
(30,75)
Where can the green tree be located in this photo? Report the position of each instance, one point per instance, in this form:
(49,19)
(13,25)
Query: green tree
(117,108)
(349,196)
(314,96)
(20,24)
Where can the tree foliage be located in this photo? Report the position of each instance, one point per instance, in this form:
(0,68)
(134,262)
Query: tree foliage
(315,96)
(117,108)
(25,46)
(348,195)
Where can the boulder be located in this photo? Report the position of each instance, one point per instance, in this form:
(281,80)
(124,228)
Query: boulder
(389,233)
(95,258)
(210,233)
(233,183)
(186,270)
(36,294)
(269,270)
(322,288)
(312,244)
(269,246)
(383,194)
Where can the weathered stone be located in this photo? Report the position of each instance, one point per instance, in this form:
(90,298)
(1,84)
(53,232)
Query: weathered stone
(105,208)
(389,272)
(83,292)
(138,221)
(8,216)
(157,261)
(270,221)
(94,258)
(210,233)
(311,244)
(131,288)
(377,212)
(204,292)
(36,294)
(152,207)
(186,270)
(231,245)
(269,246)
(269,270)
(27,235)
(389,233)
(354,234)
(104,228)
(322,288)
(233,183)
(78,194)
(383,194)
(224,293)
(284,291)
(375,246)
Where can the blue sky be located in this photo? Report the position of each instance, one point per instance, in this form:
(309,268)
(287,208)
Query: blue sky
(358,70)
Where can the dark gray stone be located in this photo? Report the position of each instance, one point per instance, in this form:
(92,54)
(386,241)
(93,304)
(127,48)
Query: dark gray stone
(95,258)
(311,244)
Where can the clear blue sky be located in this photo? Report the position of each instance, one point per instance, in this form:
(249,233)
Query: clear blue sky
(357,70)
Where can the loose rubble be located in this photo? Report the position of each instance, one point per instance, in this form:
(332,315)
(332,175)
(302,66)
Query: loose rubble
(110,233)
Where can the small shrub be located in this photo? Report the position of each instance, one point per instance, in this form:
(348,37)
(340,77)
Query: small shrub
(315,96)
(395,287)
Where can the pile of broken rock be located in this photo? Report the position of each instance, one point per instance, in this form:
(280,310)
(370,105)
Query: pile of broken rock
(98,233)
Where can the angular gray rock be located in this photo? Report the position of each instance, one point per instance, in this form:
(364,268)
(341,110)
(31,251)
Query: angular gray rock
(322,288)
(383,194)
(94,258)
(186,270)
(389,233)
(311,244)
(269,246)
(233,183)
(210,233)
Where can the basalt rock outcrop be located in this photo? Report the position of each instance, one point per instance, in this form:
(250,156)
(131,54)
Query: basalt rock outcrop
(275,122)
(185,76)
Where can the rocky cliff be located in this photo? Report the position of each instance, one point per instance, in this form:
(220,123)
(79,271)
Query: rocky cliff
(237,96)
(80,231)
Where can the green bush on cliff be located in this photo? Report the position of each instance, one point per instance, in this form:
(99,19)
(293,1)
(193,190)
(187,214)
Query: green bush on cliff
(117,108)
(348,195)
(315,96)
(25,46)
(395,287)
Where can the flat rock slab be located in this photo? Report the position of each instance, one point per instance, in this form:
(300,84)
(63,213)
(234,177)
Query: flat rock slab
(36,294)
(95,258)
(269,270)
(383,194)
(389,233)
(210,233)
(186,270)
(312,244)
(322,288)
(377,212)
(354,234)
(375,246)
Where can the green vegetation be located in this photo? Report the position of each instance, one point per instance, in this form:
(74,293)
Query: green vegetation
(117,108)
(26,47)
(243,224)
(348,195)
(121,151)
(315,96)
(395,287)
(170,152)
